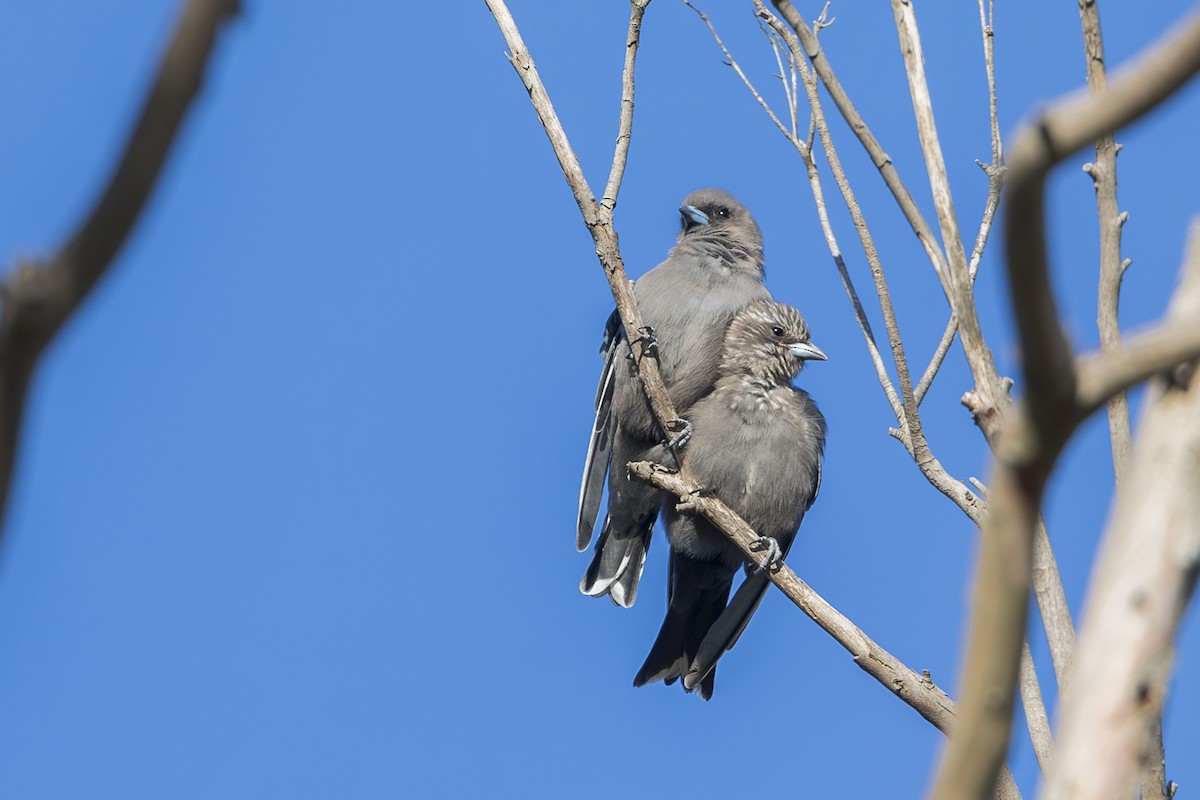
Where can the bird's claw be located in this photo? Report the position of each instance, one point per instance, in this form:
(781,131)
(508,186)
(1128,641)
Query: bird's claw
(771,561)
(646,337)
(681,438)
(687,505)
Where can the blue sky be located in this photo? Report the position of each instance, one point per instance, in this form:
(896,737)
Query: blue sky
(295,509)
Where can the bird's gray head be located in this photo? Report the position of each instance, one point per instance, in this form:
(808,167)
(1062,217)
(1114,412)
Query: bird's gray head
(715,224)
(767,341)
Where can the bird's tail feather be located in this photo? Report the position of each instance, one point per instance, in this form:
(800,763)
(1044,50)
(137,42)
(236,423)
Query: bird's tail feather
(694,606)
(727,628)
(599,453)
(618,562)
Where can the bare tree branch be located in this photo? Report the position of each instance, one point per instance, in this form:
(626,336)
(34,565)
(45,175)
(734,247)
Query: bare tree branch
(1052,605)
(979,356)
(1035,711)
(882,160)
(907,414)
(596,216)
(1144,579)
(40,296)
(1051,596)
(1104,177)
(1034,439)
(789,134)
(917,690)
(625,125)
(1106,374)
(995,184)
(805,152)
(995,173)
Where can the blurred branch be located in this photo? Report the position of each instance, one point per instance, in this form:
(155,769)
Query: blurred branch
(1144,579)
(1035,711)
(1033,441)
(597,216)
(1106,374)
(1052,605)
(41,296)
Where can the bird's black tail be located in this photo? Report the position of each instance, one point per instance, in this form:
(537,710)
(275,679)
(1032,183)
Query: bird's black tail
(698,595)
(724,632)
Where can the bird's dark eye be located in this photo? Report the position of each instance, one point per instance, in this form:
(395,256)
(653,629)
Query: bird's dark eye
(723,213)
(778,331)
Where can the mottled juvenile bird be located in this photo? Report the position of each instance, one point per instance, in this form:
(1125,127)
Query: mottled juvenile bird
(756,445)
(715,268)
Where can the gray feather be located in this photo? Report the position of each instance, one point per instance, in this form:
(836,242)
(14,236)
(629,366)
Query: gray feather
(713,271)
(757,445)
(599,452)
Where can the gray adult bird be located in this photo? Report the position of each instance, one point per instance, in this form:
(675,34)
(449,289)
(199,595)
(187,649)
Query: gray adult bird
(757,446)
(686,302)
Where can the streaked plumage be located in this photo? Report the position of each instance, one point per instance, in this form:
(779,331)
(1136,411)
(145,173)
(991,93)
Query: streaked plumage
(757,445)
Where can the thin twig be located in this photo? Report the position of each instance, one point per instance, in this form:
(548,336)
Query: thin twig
(40,296)
(995,183)
(625,124)
(911,432)
(1035,711)
(732,62)
(597,217)
(995,172)
(881,160)
(789,89)
(805,153)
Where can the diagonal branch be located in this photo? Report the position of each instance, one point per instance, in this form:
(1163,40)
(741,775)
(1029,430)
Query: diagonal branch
(881,160)
(917,690)
(40,296)
(596,216)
